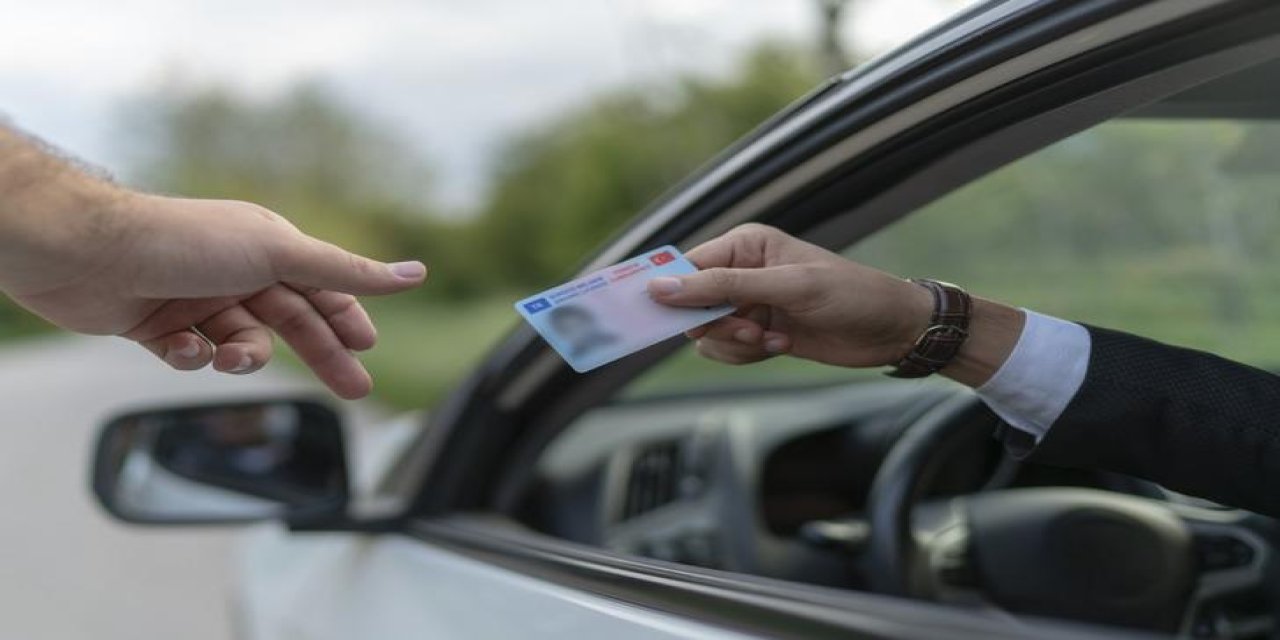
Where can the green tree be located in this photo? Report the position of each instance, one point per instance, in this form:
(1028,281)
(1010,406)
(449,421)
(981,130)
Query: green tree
(303,154)
(562,188)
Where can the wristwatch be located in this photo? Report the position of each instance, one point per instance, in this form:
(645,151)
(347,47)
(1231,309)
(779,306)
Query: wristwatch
(941,341)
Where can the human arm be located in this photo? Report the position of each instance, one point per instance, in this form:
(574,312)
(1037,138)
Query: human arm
(194,281)
(1078,396)
(799,299)
(1185,419)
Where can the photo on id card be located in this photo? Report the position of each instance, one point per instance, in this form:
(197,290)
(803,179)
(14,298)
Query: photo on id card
(605,315)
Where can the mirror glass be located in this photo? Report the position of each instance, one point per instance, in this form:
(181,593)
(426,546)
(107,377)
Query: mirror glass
(224,463)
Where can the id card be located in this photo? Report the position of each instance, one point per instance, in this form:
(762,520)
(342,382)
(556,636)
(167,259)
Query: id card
(606,315)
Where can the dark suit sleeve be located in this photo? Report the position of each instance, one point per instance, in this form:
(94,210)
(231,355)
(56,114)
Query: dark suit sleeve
(1188,420)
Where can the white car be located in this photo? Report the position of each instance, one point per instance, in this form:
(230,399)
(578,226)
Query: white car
(541,503)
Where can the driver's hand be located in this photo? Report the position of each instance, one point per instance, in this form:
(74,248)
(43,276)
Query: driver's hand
(794,297)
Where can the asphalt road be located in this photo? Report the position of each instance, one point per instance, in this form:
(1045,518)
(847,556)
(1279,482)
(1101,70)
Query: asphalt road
(68,570)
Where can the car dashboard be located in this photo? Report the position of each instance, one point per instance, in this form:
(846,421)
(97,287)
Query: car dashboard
(766,482)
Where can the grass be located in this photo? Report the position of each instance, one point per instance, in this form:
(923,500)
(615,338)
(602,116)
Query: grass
(425,349)
(1232,314)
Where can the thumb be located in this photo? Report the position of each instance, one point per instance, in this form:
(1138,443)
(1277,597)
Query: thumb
(314,263)
(776,286)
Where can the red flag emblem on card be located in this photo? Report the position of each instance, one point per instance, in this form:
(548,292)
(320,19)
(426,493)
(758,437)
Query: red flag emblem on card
(660,259)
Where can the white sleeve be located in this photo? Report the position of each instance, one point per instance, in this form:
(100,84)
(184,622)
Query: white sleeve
(1041,376)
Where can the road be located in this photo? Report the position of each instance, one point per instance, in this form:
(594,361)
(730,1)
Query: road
(69,571)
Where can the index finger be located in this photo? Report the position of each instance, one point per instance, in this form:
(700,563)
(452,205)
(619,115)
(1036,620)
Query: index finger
(304,260)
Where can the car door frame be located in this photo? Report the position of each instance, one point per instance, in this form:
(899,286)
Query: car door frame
(867,147)
(846,149)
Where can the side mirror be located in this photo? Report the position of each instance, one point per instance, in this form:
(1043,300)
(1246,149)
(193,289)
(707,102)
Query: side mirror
(223,464)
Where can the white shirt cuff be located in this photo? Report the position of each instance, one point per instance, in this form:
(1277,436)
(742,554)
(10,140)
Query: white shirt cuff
(1041,376)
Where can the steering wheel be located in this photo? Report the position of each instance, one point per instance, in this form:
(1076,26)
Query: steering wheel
(1075,553)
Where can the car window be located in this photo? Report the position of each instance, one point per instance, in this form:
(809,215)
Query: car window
(1167,227)
(1164,223)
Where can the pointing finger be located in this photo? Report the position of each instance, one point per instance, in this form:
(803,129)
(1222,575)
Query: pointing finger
(315,263)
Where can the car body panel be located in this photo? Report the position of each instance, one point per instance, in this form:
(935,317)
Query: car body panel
(331,586)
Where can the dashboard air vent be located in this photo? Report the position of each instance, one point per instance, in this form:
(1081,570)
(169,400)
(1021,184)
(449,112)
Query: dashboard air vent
(654,479)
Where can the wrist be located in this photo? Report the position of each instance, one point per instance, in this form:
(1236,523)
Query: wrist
(994,330)
(917,313)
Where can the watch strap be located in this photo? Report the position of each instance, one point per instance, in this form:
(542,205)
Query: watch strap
(948,328)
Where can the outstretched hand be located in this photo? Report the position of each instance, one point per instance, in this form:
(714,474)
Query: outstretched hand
(204,281)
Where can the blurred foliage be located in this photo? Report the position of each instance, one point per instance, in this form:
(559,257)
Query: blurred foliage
(557,192)
(303,154)
(1162,227)
(565,187)
(15,322)
(1169,228)
(1128,187)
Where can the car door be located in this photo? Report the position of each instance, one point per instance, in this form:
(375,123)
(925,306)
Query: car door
(868,147)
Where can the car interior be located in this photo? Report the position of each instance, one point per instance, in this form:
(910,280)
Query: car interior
(1160,222)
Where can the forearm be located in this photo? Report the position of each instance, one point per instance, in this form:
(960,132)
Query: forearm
(46,205)
(1188,420)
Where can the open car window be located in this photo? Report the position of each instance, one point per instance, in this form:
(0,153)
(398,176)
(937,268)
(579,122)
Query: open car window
(1164,223)
(1164,226)
(1167,227)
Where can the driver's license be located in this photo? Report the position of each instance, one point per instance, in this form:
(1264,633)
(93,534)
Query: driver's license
(603,316)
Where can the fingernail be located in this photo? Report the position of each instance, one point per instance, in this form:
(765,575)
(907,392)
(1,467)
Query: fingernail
(742,335)
(190,351)
(244,365)
(409,270)
(665,286)
(775,345)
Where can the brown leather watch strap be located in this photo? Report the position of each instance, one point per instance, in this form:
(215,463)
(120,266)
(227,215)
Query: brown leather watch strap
(947,330)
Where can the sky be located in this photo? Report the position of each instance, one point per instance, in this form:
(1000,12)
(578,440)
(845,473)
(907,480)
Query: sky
(452,77)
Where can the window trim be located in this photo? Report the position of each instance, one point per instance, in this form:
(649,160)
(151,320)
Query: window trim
(889,186)
(472,439)
(748,604)
(1020,139)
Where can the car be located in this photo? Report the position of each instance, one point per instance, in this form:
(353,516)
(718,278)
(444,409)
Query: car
(1111,159)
